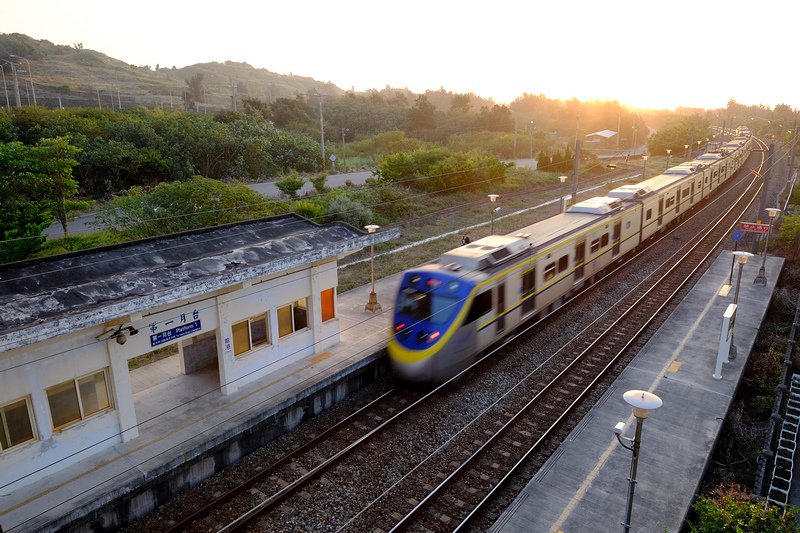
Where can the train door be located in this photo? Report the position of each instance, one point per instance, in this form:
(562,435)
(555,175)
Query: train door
(528,291)
(501,307)
(691,195)
(616,237)
(580,257)
(660,211)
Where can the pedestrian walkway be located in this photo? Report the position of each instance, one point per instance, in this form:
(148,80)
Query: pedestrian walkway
(583,487)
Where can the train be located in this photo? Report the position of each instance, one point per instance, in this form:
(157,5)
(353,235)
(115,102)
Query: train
(450,311)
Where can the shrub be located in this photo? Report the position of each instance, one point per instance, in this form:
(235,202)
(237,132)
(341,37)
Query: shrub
(289,186)
(730,515)
(350,211)
(309,209)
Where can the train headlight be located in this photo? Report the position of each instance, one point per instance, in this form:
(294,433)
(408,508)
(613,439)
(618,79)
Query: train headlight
(433,336)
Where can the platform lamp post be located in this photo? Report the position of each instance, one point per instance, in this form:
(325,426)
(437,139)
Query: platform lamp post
(669,154)
(644,170)
(642,402)
(372,306)
(762,273)
(492,199)
(561,202)
(686,154)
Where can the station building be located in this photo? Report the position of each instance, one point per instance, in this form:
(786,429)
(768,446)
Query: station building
(247,298)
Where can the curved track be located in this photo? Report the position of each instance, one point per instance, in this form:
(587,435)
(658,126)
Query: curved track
(427,487)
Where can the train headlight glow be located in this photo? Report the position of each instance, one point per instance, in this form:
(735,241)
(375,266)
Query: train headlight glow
(433,336)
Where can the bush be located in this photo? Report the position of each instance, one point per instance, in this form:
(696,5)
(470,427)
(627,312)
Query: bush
(350,211)
(318,182)
(309,209)
(289,186)
(730,515)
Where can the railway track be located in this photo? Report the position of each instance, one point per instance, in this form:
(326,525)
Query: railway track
(453,480)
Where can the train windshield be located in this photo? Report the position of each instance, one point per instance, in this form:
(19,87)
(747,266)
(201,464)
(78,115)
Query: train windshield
(434,308)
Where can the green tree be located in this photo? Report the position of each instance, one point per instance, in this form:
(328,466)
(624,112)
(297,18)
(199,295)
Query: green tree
(57,165)
(196,88)
(422,115)
(459,104)
(676,133)
(36,186)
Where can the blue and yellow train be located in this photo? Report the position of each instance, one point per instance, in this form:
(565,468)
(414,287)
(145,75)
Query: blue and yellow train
(449,311)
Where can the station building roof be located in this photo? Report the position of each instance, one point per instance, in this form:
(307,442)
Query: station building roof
(607,134)
(44,298)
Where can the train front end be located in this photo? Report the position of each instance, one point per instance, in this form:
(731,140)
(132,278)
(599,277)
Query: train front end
(428,345)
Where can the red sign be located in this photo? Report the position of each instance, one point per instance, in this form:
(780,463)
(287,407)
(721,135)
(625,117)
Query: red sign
(759,228)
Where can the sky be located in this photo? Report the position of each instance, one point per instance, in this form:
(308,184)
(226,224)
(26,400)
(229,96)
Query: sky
(642,54)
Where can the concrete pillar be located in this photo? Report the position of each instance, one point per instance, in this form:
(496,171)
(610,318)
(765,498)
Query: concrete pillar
(225,357)
(121,386)
(316,309)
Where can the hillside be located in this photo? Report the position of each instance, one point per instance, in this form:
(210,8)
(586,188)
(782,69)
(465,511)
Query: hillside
(72,76)
(78,77)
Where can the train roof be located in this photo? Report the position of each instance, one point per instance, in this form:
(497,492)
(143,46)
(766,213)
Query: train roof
(484,253)
(662,181)
(711,156)
(599,205)
(631,192)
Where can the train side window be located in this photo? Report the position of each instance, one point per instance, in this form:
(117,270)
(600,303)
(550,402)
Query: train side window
(604,240)
(528,288)
(549,271)
(563,263)
(595,245)
(686,192)
(480,306)
(649,214)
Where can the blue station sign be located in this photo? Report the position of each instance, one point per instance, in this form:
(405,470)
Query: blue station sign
(175,333)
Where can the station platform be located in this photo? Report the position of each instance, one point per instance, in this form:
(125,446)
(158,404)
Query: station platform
(584,485)
(186,419)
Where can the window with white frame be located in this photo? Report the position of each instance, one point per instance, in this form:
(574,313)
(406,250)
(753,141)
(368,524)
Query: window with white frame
(293,317)
(77,399)
(15,424)
(250,333)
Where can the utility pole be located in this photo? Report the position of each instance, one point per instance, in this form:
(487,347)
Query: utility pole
(575,170)
(233,95)
(793,149)
(691,143)
(762,203)
(5,88)
(16,81)
(30,77)
(99,103)
(516,114)
(319,96)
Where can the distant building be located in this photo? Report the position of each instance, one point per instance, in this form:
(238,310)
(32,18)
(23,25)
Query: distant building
(601,139)
(247,298)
